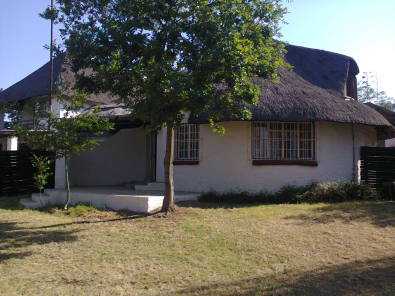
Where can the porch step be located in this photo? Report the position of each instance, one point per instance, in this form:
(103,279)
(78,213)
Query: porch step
(29,204)
(112,198)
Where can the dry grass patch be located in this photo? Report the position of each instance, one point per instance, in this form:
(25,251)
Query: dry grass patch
(343,249)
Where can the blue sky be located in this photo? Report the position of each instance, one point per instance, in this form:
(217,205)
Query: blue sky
(363,29)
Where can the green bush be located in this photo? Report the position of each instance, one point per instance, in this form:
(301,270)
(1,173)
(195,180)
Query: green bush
(317,192)
(81,210)
(42,166)
(339,192)
(242,197)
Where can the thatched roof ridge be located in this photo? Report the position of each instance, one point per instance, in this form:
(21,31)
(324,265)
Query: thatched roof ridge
(325,69)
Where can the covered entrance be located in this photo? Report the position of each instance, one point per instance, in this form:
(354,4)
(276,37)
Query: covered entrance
(124,159)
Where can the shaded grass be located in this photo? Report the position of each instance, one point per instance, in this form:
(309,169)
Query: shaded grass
(10,202)
(304,249)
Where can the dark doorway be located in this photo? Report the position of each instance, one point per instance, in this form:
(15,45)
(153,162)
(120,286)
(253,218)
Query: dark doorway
(151,156)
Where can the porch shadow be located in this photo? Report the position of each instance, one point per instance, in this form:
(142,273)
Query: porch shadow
(381,214)
(373,277)
(13,237)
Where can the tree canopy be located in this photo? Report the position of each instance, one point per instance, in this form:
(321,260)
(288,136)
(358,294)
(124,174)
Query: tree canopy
(66,135)
(367,92)
(165,59)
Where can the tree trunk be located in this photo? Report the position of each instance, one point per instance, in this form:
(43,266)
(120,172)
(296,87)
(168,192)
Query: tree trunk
(168,200)
(66,168)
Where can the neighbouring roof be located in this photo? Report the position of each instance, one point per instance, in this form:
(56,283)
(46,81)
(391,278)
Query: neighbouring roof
(388,114)
(313,90)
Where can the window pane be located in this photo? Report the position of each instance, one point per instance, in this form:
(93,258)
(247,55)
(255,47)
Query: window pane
(283,141)
(187,142)
(276,141)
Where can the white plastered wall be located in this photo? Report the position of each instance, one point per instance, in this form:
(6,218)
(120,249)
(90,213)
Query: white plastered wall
(12,143)
(9,143)
(225,161)
(390,142)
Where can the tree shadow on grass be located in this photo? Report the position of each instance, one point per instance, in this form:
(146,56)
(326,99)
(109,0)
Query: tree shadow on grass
(381,214)
(11,202)
(13,237)
(373,277)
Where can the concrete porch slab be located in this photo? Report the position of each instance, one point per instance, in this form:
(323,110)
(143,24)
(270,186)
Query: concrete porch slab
(116,198)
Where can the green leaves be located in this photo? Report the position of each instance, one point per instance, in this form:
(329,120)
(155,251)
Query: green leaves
(42,166)
(71,134)
(166,58)
(367,92)
(49,13)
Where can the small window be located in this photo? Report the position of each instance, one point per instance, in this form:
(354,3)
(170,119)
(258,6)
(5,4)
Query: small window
(283,141)
(187,143)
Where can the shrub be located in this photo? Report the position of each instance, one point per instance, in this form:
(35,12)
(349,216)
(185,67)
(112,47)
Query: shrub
(42,165)
(81,210)
(242,197)
(317,192)
(339,192)
(291,193)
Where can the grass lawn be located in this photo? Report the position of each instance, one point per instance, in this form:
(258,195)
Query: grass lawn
(322,249)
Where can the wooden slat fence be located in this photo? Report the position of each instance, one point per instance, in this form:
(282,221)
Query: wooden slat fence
(377,165)
(16,172)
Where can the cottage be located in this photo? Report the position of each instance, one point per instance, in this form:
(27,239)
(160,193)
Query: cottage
(307,127)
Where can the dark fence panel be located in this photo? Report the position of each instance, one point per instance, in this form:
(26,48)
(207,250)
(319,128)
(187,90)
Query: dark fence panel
(17,171)
(377,165)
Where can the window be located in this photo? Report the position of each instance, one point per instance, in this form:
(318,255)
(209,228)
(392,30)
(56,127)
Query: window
(283,142)
(187,144)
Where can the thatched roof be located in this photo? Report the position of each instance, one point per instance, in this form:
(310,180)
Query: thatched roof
(317,88)
(327,70)
(34,85)
(295,99)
